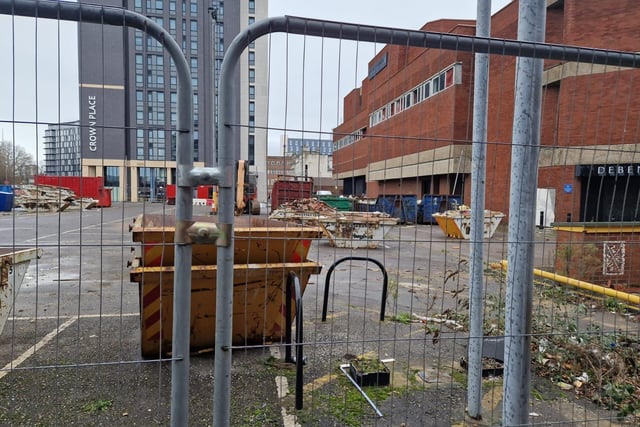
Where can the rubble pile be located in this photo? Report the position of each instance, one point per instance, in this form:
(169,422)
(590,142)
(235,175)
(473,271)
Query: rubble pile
(308,205)
(49,198)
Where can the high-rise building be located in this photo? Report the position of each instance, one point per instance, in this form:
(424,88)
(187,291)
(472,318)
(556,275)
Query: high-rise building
(62,149)
(128,91)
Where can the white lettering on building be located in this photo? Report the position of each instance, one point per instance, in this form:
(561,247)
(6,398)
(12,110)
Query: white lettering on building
(618,170)
(93,133)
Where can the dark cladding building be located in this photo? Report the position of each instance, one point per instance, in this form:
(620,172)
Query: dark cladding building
(128,90)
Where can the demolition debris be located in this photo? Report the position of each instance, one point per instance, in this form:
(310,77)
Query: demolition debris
(32,198)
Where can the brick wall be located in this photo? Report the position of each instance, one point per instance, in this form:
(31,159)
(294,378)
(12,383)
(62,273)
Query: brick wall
(580,255)
(599,109)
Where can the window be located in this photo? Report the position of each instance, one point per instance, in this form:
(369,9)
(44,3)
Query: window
(194,7)
(252,6)
(220,11)
(417,94)
(407,100)
(438,83)
(252,58)
(196,144)
(426,90)
(252,92)
(252,20)
(252,75)
(111,176)
(252,149)
(448,78)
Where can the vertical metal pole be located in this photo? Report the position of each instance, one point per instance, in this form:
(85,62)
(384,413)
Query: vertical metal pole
(478,174)
(182,262)
(228,140)
(522,205)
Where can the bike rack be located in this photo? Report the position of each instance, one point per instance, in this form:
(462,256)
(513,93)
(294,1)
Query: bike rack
(385,281)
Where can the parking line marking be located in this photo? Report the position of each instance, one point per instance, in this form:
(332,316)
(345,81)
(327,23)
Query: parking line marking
(100,224)
(51,335)
(32,350)
(82,316)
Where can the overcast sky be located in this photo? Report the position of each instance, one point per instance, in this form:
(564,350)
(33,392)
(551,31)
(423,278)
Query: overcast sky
(322,72)
(39,77)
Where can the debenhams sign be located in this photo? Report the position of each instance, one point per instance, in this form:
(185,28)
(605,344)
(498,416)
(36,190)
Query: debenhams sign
(93,114)
(608,170)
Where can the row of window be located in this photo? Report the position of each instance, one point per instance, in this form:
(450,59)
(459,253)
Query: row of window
(158,6)
(151,144)
(349,139)
(252,92)
(430,87)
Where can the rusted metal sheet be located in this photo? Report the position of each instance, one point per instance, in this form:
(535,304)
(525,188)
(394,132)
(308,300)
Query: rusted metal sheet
(258,308)
(13,267)
(257,240)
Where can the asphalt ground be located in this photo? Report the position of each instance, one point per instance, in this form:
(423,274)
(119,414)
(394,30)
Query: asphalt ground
(70,352)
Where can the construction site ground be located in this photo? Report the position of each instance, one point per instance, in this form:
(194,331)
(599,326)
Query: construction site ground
(77,359)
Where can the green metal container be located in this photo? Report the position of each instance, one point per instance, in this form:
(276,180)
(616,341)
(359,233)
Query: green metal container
(336,202)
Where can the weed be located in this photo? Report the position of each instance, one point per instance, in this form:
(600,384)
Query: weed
(537,395)
(262,415)
(612,305)
(404,318)
(459,376)
(98,405)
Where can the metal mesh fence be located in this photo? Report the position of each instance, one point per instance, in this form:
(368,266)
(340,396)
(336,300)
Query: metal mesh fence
(350,293)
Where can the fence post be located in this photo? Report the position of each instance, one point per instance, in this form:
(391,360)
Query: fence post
(478,172)
(522,204)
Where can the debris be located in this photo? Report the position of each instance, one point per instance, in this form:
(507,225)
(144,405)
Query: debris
(564,386)
(447,322)
(49,198)
(584,378)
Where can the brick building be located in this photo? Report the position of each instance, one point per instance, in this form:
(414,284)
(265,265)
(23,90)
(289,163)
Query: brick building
(408,128)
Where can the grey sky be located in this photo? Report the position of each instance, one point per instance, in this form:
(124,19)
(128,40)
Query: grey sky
(50,95)
(319,64)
